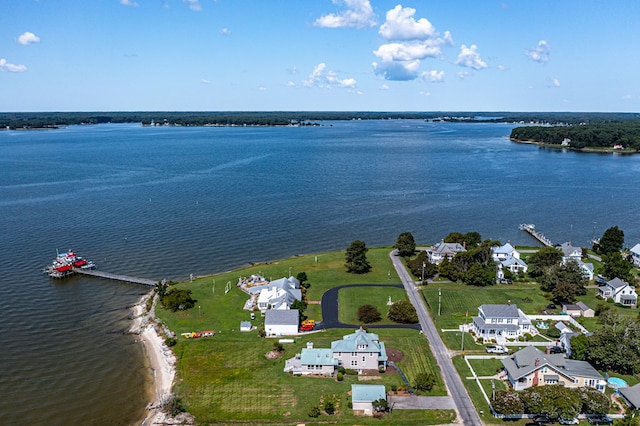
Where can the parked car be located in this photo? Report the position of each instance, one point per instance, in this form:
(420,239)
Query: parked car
(600,419)
(551,306)
(542,420)
(496,349)
(556,350)
(565,421)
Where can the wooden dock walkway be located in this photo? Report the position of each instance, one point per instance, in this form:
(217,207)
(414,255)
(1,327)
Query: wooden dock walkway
(530,229)
(117,277)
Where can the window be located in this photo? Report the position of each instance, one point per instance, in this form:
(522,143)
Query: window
(354,363)
(364,359)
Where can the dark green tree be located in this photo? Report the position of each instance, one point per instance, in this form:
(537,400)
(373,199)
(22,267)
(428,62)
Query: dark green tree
(380,405)
(480,275)
(616,266)
(543,260)
(615,345)
(424,382)
(611,241)
(579,347)
(565,282)
(356,258)
(405,244)
(178,300)
(302,277)
(420,266)
(403,312)
(300,305)
(593,401)
(368,314)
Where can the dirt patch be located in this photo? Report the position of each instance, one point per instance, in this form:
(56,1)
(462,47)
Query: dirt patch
(394,354)
(273,354)
(365,378)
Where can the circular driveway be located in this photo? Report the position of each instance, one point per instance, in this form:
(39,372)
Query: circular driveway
(330,309)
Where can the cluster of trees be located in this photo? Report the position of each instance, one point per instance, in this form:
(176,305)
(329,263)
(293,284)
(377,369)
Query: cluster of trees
(474,266)
(173,298)
(614,345)
(551,400)
(401,312)
(604,135)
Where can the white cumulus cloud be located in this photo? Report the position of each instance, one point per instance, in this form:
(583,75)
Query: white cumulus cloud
(400,25)
(324,78)
(358,14)
(540,53)
(433,76)
(469,57)
(225,31)
(5,66)
(194,5)
(28,38)
(410,40)
(129,3)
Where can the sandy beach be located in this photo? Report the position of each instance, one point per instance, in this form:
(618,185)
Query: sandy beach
(161,360)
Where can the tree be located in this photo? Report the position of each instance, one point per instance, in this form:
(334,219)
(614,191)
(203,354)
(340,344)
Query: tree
(300,306)
(356,258)
(565,282)
(579,347)
(615,345)
(178,300)
(552,400)
(470,239)
(593,401)
(302,277)
(611,241)
(405,244)
(424,382)
(542,260)
(616,266)
(507,402)
(480,275)
(380,405)
(368,314)
(420,266)
(403,312)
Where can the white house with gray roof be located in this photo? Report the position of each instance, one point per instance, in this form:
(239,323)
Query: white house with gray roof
(620,291)
(635,254)
(571,253)
(281,322)
(500,323)
(504,252)
(277,294)
(442,250)
(532,367)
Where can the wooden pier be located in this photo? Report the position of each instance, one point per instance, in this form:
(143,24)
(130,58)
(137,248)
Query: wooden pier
(117,277)
(530,229)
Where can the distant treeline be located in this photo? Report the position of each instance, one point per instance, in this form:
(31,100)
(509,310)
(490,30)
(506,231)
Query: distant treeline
(622,135)
(43,120)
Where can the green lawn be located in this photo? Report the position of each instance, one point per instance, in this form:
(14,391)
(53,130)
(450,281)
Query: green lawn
(227,378)
(351,298)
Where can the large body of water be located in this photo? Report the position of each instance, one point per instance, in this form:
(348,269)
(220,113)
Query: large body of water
(169,202)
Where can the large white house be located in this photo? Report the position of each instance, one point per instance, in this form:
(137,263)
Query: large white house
(508,259)
(571,253)
(635,254)
(620,291)
(504,252)
(442,250)
(358,351)
(278,294)
(500,322)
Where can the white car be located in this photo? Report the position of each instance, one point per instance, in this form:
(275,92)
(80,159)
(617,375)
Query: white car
(573,421)
(496,349)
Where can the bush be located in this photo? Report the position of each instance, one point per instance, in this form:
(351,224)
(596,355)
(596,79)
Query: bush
(314,411)
(424,382)
(341,370)
(340,377)
(170,341)
(351,372)
(329,407)
(403,312)
(261,331)
(368,314)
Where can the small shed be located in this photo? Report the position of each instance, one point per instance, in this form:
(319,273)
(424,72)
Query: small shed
(571,309)
(245,326)
(363,395)
(281,322)
(587,312)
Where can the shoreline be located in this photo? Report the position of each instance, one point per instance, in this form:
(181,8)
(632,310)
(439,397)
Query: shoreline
(160,358)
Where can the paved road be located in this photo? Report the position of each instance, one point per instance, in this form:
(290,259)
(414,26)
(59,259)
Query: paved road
(330,309)
(467,412)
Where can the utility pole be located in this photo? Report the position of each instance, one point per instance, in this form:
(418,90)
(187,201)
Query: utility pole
(439,299)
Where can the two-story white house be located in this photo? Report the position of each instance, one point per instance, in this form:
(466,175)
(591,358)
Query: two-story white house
(358,351)
(442,250)
(620,291)
(504,252)
(278,294)
(571,253)
(508,259)
(500,322)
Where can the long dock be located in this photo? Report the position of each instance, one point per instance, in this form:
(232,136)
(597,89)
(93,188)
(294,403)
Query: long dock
(117,277)
(530,229)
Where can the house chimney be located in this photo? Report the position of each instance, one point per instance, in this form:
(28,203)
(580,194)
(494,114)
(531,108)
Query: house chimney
(464,245)
(548,350)
(537,363)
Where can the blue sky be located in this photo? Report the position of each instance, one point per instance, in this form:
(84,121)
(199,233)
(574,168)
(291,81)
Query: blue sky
(319,55)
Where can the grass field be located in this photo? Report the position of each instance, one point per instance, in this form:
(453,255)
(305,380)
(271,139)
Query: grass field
(351,298)
(228,379)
